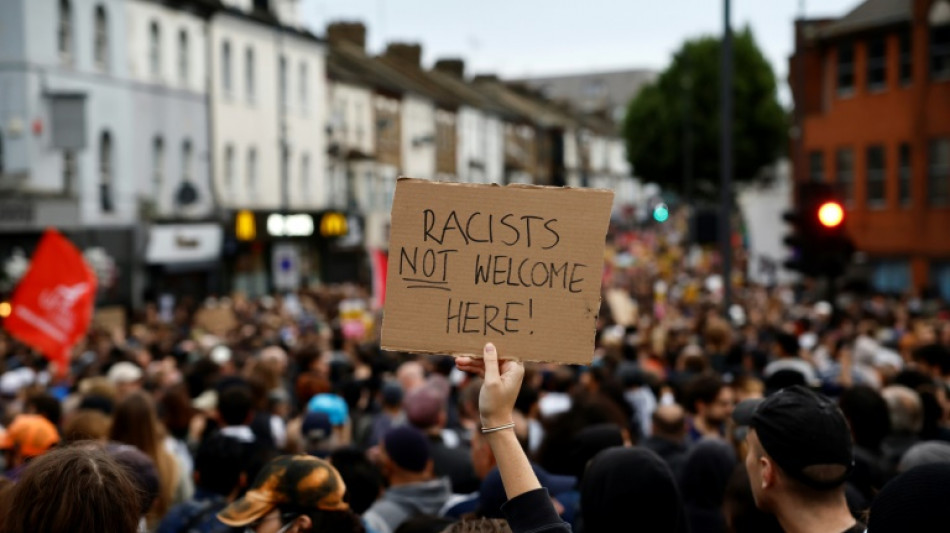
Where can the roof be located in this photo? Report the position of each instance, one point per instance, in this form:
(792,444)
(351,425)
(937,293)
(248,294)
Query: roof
(523,105)
(438,92)
(350,61)
(468,93)
(869,15)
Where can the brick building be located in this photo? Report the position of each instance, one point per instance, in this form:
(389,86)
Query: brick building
(872,97)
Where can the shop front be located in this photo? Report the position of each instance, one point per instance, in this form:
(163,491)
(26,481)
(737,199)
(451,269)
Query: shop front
(269,252)
(183,259)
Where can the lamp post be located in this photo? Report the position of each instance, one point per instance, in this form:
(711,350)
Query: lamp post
(725,157)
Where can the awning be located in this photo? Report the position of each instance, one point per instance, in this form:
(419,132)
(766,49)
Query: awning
(172,244)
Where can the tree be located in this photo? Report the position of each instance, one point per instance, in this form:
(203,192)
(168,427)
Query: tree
(686,95)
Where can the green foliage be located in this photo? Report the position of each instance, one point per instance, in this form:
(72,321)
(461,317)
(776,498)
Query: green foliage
(687,94)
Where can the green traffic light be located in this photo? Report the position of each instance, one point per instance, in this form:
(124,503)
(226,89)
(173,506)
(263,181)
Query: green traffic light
(661,213)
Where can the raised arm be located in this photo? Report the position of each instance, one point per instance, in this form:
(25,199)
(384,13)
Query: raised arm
(529,506)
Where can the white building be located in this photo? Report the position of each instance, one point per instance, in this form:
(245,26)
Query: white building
(167,52)
(268,115)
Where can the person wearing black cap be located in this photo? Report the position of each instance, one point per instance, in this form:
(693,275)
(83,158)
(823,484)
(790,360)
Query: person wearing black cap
(414,490)
(800,454)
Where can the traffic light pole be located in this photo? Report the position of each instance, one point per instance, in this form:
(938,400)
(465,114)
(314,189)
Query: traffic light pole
(725,157)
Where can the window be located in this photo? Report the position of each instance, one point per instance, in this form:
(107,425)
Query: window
(816,166)
(65,35)
(183,53)
(906,55)
(226,67)
(305,176)
(155,49)
(303,86)
(106,201)
(158,166)
(252,173)
(229,188)
(844,173)
(187,160)
(359,123)
(283,83)
(845,68)
(101,44)
(877,63)
(876,176)
(249,73)
(891,276)
(284,173)
(69,172)
(940,40)
(938,173)
(904,174)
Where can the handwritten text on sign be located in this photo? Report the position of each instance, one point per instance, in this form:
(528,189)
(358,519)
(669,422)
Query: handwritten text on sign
(520,266)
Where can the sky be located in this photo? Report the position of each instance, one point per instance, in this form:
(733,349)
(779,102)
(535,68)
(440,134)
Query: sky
(522,38)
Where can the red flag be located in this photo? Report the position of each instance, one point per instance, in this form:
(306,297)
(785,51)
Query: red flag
(52,304)
(380,260)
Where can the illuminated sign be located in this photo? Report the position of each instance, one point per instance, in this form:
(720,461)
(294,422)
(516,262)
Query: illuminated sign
(289,225)
(333,225)
(245,228)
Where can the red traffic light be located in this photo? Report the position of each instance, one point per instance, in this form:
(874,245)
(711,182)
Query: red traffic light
(830,214)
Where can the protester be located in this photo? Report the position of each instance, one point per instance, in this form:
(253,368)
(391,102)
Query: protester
(913,501)
(529,507)
(414,489)
(294,494)
(45,500)
(703,482)
(799,478)
(28,437)
(710,403)
(668,438)
(218,481)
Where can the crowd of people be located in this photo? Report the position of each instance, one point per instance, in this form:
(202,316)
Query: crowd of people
(779,413)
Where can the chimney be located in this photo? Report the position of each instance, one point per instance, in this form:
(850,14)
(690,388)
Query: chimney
(452,66)
(407,52)
(347,32)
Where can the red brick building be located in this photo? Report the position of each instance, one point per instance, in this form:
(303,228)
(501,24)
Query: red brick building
(872,97)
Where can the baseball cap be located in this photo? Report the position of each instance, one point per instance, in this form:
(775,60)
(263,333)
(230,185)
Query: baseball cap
(800,428)
(316,426)
(124,372)
(302,482)
(32,433)
(334,406)
(408,448)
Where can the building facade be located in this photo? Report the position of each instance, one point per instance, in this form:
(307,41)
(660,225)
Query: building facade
(872,92)
(66,126)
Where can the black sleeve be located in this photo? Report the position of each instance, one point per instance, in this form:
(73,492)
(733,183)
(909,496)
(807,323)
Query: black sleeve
(533,512)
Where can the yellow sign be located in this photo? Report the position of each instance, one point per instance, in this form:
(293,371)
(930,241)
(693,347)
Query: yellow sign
(333,225)
(245,227)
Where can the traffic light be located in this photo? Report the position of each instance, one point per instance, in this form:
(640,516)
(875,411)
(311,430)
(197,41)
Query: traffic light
(661,212)
(818,241)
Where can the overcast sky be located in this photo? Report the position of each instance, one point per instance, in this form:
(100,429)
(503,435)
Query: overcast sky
(518,38)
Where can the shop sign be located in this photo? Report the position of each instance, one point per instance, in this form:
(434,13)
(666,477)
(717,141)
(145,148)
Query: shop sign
(289,225)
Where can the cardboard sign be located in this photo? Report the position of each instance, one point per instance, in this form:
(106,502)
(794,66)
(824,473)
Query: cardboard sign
(218,321)
(622,307)
(109,318)
(519,266)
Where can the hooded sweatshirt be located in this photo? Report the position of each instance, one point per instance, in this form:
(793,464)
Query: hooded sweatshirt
(703,485)
(634,487)
(403,502)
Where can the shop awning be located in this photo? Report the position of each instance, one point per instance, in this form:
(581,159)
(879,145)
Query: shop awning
(176,244)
